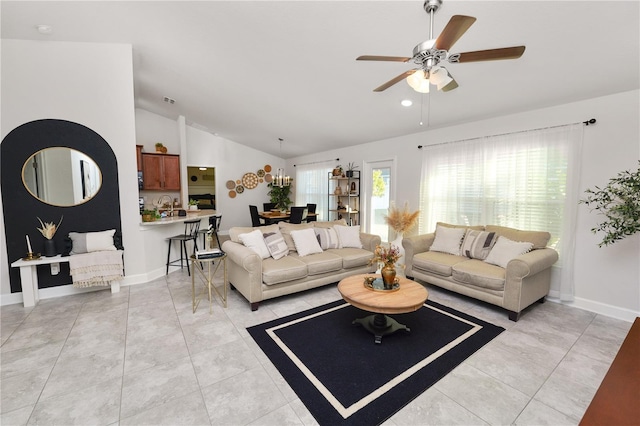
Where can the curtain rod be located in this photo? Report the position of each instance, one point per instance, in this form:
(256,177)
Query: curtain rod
(314,162)
(586,123)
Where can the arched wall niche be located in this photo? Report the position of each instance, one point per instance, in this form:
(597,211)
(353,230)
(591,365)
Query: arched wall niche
(21,208)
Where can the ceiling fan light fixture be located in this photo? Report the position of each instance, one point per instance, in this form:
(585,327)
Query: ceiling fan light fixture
(419,82)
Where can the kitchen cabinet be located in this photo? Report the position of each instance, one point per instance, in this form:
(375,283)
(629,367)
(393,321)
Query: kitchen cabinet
(161,172)
(139,156)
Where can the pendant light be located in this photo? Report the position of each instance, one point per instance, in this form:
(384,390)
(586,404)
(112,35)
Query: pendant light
(280,179)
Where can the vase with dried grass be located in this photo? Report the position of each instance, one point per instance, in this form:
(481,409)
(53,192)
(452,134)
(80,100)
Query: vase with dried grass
(401,221)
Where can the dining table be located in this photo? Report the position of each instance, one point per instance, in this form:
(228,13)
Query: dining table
(271,217)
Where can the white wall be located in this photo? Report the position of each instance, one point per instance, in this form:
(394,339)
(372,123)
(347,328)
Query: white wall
(607,280)
(87,83)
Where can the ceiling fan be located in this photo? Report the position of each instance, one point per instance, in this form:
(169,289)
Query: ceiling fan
(429,54)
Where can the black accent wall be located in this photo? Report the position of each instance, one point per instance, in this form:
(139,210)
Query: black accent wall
(21,209)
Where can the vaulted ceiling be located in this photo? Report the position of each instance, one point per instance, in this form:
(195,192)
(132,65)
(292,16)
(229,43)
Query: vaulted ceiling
(256,71)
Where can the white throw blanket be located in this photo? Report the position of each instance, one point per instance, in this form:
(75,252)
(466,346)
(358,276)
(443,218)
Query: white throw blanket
(98,268)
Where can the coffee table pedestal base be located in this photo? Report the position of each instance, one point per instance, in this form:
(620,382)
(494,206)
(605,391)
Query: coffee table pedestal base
(380,325)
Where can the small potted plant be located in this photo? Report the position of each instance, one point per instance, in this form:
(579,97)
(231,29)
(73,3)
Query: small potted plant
(148,215)
(350,168)
(193,204)
(161,148)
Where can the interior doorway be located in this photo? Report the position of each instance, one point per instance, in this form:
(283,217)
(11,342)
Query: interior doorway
(202,186)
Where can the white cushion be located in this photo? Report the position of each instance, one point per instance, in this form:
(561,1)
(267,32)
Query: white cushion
(255,241)
(448,240)
(306,242)
(276,245)
(504,250)
(327,237)
(87,242)
(349,236)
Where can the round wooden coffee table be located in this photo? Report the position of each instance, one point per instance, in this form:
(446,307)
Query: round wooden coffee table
(408,298)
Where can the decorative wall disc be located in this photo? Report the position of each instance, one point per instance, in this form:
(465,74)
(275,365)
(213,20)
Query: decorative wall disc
(250,180)
(260,173)
(239,189)
(238,182)
(267,168)
(232,194)
(268,178)
(231,184)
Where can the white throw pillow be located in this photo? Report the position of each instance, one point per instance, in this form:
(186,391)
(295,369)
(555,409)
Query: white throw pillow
(306,242)
(349,236)
(448,240)
(327,237)
(87,242)
(255,241)
(504,250)
(276,245)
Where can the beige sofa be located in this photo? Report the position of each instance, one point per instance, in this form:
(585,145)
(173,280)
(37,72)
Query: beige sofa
(524,280)
(259,279)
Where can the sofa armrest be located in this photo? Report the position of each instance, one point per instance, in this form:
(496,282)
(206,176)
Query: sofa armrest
(531,263)
(370,241)
(242,256)
(414,245)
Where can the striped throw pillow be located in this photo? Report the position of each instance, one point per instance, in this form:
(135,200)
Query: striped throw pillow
(477,244)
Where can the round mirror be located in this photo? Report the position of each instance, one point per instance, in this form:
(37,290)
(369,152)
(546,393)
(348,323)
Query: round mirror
(61,176)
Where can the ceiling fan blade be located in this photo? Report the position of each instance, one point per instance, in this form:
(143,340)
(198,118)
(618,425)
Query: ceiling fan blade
(492,54)
(394,80)
(457,26)
(383,58)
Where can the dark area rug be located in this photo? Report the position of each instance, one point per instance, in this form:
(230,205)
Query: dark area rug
(344,378)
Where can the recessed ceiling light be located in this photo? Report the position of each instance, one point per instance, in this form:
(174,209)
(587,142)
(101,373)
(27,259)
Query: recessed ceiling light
(406,103)
(44,29)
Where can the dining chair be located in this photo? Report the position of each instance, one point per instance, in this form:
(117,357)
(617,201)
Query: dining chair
(255,218)
(268,206)
(298,214)
(191,228)
(311,208)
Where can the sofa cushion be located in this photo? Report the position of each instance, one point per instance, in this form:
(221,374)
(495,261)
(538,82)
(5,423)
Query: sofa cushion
(288,268)
(237,230)
(539,239)
(465,227)
(504,250)
(276,245)
(330,224)
(327,237)
(436,262)
(349,236)
(306,242)
(478,273)
(321,263)
(448,240)
(353,257)
(255,241)
(477,244)
(286,228)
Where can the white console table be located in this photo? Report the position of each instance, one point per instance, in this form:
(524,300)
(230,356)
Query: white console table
(29,276)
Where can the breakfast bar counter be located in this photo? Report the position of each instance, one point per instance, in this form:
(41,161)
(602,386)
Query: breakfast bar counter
(198,214)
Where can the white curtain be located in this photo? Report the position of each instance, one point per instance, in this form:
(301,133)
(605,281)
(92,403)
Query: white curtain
(312,186)
(525,180)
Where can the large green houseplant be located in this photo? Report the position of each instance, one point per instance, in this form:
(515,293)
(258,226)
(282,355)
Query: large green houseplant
(280,196)
(619,203)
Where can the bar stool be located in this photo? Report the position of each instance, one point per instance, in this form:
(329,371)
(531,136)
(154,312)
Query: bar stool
(191,228)
(214,224)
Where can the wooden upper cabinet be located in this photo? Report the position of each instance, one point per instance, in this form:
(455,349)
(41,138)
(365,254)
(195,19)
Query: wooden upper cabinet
(139,156)
(161,172)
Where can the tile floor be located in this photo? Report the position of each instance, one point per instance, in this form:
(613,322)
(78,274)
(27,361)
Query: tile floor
(141,357)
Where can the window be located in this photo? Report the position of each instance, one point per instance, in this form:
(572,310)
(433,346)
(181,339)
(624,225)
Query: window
(311,187)
(525,180)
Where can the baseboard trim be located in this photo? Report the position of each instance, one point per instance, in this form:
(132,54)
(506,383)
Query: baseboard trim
(616,312)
